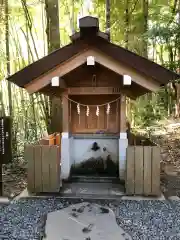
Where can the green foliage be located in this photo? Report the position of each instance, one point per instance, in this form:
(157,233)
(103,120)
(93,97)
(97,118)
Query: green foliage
(145,114)
(149,115)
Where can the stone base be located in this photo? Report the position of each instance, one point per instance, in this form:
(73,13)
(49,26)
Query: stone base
(65,156)
(140,198)
(68,154)
(174,198)
(123,144)
(122,174)
(4,200)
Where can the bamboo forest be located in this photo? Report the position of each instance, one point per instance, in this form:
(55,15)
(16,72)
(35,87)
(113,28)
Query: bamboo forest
(89,119)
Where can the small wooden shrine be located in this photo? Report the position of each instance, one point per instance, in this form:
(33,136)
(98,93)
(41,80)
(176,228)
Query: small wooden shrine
(89,80)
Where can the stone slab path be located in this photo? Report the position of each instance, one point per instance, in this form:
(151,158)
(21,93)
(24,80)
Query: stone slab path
(84,221)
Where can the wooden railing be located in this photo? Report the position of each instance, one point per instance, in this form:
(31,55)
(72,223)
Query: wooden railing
(43,168)
(143,170)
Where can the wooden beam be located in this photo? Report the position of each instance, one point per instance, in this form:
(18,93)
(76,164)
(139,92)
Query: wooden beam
(93,91)
(52,91)
(121,69)
(101,58)
(60,71)
(100,91)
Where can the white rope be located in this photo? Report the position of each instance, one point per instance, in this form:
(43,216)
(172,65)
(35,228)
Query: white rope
(89,105)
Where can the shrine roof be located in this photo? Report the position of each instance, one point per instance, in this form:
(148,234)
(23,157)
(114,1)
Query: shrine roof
(90,36)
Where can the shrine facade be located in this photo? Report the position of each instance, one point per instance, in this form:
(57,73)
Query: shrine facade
(89,81)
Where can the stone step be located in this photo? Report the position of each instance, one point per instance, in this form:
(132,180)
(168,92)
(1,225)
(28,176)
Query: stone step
(94,179)
(91,196)
(4,201)
(174,198)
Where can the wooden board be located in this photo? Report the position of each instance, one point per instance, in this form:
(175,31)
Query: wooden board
(93,91)
(130,187)
(139,170)
(54,164)
(143,177)
(156,170)
(147,170)
(29,158)
(92,123)
(45,168)
(38,168)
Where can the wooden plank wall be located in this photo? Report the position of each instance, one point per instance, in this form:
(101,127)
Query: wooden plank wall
(92,123)
(43,168)
(143,170)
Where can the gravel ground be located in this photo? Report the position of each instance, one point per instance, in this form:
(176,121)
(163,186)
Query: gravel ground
(25,219)
(150,219)
(2,206)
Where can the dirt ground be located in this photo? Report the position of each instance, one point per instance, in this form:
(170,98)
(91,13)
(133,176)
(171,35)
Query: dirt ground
(14,180)
(170,187)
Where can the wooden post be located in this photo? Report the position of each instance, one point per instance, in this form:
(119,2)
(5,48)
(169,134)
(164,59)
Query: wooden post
(123,114)
(65,113)
(56,123)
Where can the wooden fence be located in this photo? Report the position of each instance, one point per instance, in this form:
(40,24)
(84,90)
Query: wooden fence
(43,168)
(143,170)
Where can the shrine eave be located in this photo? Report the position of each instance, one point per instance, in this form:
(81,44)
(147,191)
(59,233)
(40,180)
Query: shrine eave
(90,38)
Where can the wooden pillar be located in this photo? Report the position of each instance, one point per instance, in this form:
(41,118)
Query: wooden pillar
(65,113)
(123,114)
(56,122)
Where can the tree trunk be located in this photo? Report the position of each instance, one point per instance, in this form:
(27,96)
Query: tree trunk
(177,111)
(53,39)
(2,109)
(126,34)
(8,55)
(52,29)
(145,28)
(108,24)
(72,18)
